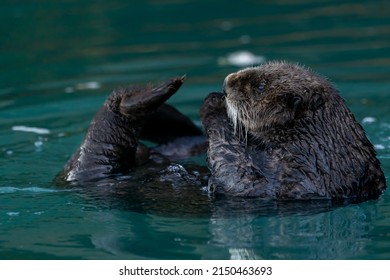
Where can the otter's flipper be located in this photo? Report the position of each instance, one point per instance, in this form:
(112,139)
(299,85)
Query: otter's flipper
(137,103)
(110,145)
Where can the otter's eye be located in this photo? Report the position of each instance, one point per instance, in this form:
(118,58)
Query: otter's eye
(260,88)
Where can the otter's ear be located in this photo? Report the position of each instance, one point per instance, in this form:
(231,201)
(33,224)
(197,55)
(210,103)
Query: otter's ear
(295,103)
(316,101)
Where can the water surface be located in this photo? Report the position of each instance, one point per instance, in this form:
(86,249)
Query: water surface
(59,61)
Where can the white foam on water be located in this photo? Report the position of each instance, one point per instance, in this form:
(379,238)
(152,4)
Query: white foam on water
(4,190)
(37,130)
(13,214)
(369,120)
(88,85)
(241,59)
(379,147)
(83,86)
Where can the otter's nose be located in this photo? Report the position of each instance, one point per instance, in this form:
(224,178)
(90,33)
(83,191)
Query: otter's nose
(229,80)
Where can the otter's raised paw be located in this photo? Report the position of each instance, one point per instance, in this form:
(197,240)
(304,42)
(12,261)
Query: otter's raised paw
(213,104)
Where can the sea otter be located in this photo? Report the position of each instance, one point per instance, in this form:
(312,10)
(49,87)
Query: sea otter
(280,131)
(111,145)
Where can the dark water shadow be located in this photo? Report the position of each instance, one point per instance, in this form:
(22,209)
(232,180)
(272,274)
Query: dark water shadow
(140,213)
(149,195)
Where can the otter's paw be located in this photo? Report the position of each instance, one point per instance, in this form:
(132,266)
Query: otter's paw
(213,105)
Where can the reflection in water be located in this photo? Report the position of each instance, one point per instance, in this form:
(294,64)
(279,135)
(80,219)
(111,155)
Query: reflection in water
(195,225)
(327,235)
(59,61)
(324,235)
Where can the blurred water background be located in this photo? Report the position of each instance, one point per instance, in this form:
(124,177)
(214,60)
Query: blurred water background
(60,59)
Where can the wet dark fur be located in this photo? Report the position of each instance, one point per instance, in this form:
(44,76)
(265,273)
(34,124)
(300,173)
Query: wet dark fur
(111,145)
(282,132)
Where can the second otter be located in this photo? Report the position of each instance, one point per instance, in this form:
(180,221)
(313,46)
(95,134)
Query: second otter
(280,131)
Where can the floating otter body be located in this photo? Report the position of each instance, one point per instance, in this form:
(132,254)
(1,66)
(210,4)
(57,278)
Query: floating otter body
(111,145)
(282,132)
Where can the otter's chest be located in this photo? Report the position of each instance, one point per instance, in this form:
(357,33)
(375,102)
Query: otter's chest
(290,172)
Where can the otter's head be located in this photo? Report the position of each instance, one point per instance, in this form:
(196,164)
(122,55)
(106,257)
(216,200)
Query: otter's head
(273,95)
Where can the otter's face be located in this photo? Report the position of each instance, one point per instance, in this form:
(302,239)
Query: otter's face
(271,96)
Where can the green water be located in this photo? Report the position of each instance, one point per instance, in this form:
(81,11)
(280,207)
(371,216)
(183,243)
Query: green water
(60,59)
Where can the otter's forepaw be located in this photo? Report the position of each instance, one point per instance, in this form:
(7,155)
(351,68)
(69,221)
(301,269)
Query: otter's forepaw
(213,105)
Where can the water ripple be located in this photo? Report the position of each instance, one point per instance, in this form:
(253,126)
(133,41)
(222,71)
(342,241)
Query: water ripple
(4,190)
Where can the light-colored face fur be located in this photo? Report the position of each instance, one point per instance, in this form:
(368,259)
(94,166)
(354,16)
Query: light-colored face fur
(272,96)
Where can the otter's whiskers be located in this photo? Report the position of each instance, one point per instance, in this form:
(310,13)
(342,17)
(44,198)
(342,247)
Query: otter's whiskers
(235,117)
